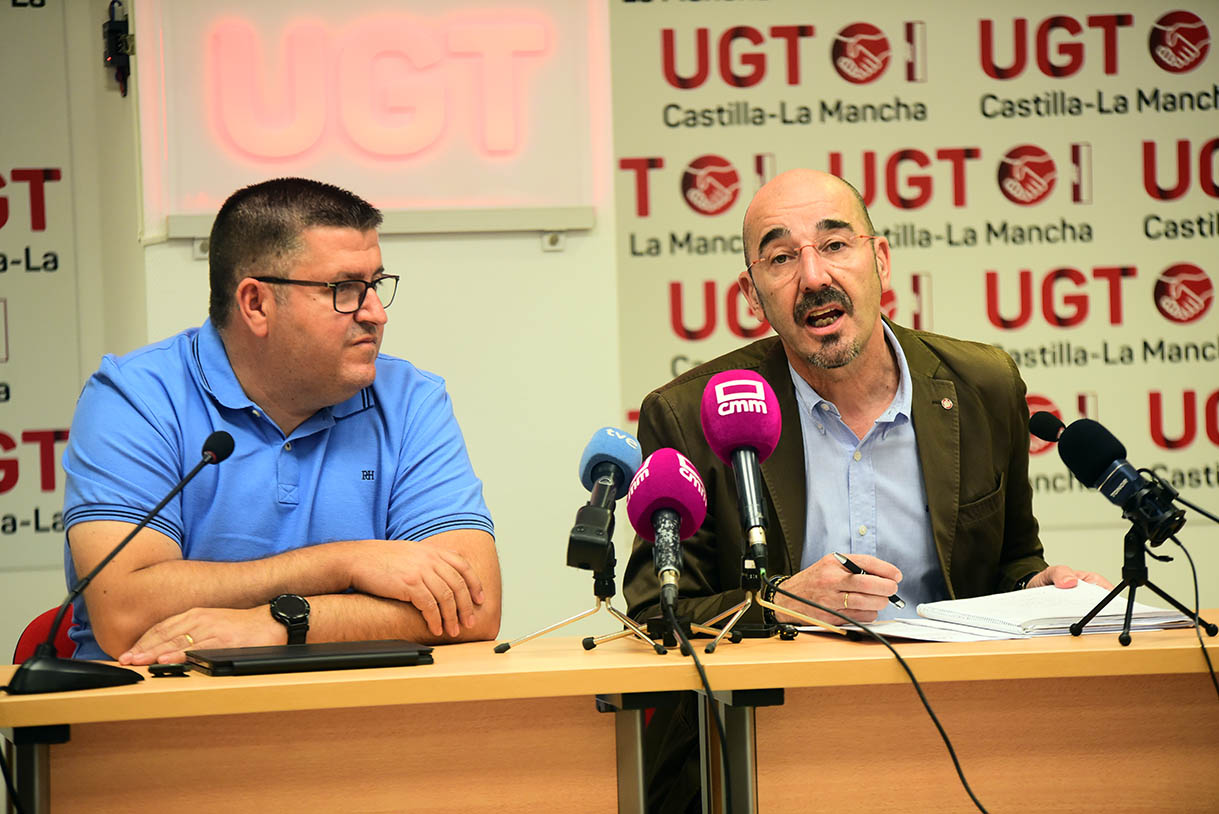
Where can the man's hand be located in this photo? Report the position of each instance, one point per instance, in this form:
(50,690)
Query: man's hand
(201,628)
(440,583)
(1066,577)
(826,582)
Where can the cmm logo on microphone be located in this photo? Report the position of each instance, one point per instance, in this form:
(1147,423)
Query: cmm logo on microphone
(740,396)
(690,473)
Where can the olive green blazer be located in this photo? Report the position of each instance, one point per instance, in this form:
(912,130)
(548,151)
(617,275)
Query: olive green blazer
(971,423)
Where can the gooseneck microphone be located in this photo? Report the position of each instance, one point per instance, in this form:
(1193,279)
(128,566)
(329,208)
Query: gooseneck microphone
(666,504)
(1046,426)
(741,420)
(606,466)
(45,671)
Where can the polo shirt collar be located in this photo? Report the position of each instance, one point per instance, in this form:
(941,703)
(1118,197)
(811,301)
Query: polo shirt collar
(217,376)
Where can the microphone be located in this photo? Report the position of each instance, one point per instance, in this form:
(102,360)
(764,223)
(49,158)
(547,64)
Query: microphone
(1098,459)
(45,671)
(606,466)
(741,420)
(666,504)
(1046,426)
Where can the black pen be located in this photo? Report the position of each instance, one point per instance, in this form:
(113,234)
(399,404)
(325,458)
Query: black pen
(855,569)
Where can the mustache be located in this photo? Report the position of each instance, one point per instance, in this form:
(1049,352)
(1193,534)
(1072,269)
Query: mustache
(813,300)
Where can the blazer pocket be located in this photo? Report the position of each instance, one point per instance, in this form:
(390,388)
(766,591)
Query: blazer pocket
(984,507)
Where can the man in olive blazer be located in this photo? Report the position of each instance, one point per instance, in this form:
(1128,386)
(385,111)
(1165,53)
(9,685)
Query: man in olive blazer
(970,419)
(816,271)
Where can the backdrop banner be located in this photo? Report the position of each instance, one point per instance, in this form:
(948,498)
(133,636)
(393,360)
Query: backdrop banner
(39,356)
(1046,178)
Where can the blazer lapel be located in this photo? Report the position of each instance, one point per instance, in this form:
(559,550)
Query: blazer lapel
(783,471)
(936,417)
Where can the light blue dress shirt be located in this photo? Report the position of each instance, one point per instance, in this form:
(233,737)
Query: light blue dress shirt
(867,496)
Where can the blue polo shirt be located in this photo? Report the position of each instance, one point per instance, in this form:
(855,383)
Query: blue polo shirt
(387,464)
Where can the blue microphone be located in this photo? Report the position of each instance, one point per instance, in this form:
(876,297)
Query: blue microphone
(616,448)
(606,467)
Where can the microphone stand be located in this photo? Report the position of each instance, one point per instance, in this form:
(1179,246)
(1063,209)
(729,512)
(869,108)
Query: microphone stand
(591,546)
(753,576)
(604,590)
(45,671)
(1151,519)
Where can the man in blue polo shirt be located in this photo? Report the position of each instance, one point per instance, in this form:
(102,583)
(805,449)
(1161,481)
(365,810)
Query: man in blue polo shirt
(349,508)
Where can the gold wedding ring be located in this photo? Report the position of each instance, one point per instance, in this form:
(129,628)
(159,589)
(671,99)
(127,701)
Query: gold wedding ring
(190,640)
(845,597)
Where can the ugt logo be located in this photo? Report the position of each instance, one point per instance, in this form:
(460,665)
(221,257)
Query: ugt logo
(1183,293)
(710,184)
(1179,41)
(1027,174)
(860,53)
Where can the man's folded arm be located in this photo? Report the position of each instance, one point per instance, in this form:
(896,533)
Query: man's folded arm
(149,583)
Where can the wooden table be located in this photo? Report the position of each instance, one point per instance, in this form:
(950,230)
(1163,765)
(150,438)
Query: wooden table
(474,732)
(1055,724)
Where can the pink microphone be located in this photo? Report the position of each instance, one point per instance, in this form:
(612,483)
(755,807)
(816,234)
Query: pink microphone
(741,420)
(666,504)
(740,410)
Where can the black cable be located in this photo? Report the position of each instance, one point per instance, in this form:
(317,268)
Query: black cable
(917,688)
(8,783)
(1197,610)
(719,724)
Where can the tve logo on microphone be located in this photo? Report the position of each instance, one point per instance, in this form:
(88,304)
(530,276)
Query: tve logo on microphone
(740,396)
(625,437)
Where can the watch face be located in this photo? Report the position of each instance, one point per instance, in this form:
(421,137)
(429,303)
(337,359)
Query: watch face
(290,607)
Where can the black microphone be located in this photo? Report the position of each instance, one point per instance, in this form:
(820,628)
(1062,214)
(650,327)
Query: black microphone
(1098,459)
(1046,426)
(47,672)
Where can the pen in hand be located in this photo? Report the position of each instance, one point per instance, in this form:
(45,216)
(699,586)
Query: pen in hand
(855,569)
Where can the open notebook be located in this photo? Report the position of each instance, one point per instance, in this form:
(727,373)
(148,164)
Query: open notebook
(1049,611)
(1046,611)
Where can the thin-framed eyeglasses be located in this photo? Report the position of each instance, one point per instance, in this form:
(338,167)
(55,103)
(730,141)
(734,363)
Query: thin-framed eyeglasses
(348,294)
(779,261)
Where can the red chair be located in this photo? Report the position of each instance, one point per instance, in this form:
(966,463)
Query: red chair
(36,633)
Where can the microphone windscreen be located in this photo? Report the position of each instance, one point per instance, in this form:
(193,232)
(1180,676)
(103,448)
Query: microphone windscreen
(740,410)
(610,445)
(218,446)
(1046,426)
(667,480)
(1088,450)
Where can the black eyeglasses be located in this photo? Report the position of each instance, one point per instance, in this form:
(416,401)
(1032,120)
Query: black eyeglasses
(348,294)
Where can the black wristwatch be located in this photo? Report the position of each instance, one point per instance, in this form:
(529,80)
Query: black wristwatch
(1023,582)
(293,612)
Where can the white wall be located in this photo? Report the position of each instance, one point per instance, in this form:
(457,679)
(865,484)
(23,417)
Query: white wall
(528,341)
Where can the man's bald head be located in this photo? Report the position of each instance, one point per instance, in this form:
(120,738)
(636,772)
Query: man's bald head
(792,188)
